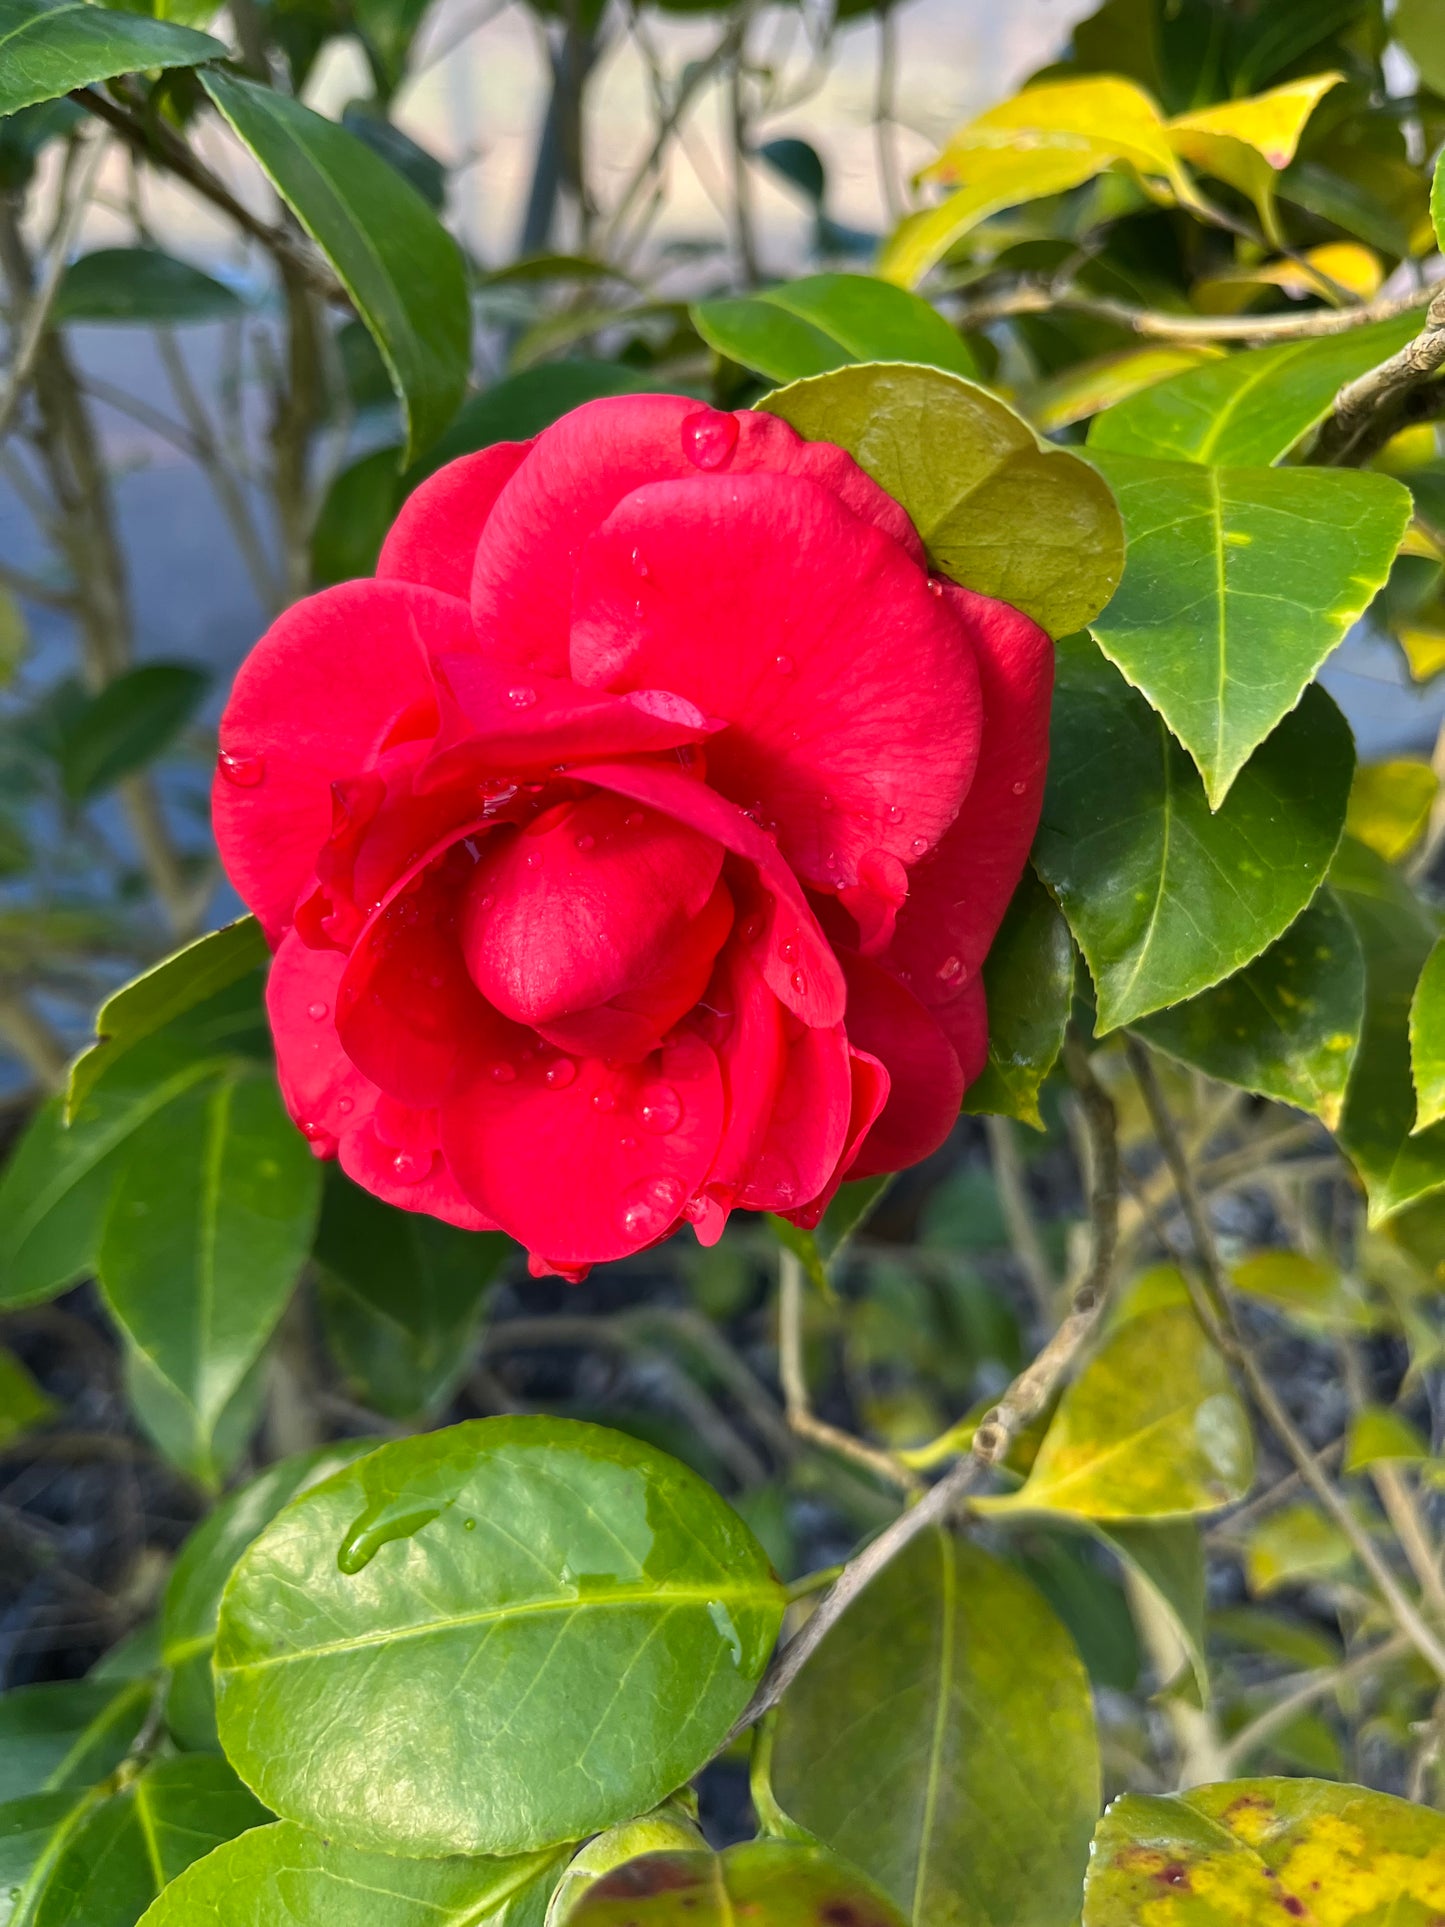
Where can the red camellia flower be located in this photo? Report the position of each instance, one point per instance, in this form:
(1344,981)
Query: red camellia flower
(630,844)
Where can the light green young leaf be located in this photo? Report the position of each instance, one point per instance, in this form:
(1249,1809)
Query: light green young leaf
(283,1873)
(206,1232)
(49,47)
(1151,1428)
(572,1619)
(806,327)
(1288,1024)
(399,265)
(1106,381)
(1427,1040)
(785,1883)
(1000,510)
(1293,1546)
(1248,1851)
(1377,1435)
(1029,980)
(1247,410)
(1237,584)
(1165,896)
(942,1736)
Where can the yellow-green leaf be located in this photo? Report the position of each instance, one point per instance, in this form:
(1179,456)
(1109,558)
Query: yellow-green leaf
(1427,1040)
(1150,1428)
(1377,1434)
(1313,1294)
(1082,390)
(1252,1853)
(1000,510)
(1293,1547)
(1390,804)
(22,1403)
(1248,142)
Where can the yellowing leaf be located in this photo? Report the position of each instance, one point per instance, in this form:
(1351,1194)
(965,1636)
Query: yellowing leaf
(1088,386)
(1291,1547)
(1043,141)
(1318,271)
(1424,648)
(1247,142)
(1150,1428)
(1247,1852)
(1390,804)
(1376,1433)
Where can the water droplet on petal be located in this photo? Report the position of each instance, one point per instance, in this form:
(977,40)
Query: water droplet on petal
(920,844)
(1019,788)
(660,1109)
(604,1101)
(784,665)
(790,949)
(586,842)
(709,437)
(639,566)
(799,982)
(950,970)
(244,771)
(935,587)
(410,1167)
(648,1210)
(534,858)
(634,819)
(826,805)
(559,1075)
(895,813)
(695,1210)
(316,1011)
(522,697)
(504,1073)
(346,1105)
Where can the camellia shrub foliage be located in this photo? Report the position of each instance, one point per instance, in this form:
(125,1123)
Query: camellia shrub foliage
(695,747)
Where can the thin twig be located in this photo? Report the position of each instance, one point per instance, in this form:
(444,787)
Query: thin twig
(1215,1312)
(1013,1197)
(797,1404)
(36,316)
(1042,297)
(1249,1739)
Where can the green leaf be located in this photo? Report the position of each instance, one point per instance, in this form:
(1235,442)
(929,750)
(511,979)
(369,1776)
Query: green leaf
(1295,1545)
(784,1883)
(1378,1435)
(1237,584)
(1377,1129)
(283,1873)
(1164,896)
(1167,1558)
(126,725)
(1085,388)
(1437,200)
(1390,805)
(401,1294)
(942,1736)
(193,1593)
(1028,977)
(1288,1024)
(1315,1295)
(1420,30)
(1427,1040)
(1248,409)
(106,1860)
(23,1405)
(667,1829)
(572,1619)
(355,514)
(1248,1851)
(398,263)
(33,1832)
(48,47)
(1000,510)
(168,990)
(1150,1428)
(142,285)
(208,1228)
(67,1734)
(524,404)
(806,327)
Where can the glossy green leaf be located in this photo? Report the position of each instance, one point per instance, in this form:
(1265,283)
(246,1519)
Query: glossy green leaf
(1164,896)
(401,1294)
(400,266)
(108,1858)
(67,1734)
(207,1230)
(1288,1024)
(126,725)
(1000,510)
(1028,977)
(284,1874)
(1377,1127)
(571,1619)
(1390,805)
(1166,1557)
(784,1883)
(1237,584)
(1249,1851)
(942,1736)
(168,1420)
(142,285)
(23,1404)
(193,1593)
(1150,1428)
(1427,1040)
(167,991)
(48,47)
(803,328)
(1247,410)
(33,1832)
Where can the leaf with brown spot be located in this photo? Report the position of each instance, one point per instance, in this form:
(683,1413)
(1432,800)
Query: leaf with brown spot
(780,1882)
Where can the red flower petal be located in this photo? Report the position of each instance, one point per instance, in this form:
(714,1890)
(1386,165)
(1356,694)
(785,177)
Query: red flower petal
(849,687)
(325,1093)
(434,539)
(311,704)
(925,1078)
(957,898)
(795,958)
(807,1125)
(579,470)
(870,1094)
(416,1178)
(580,1162)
